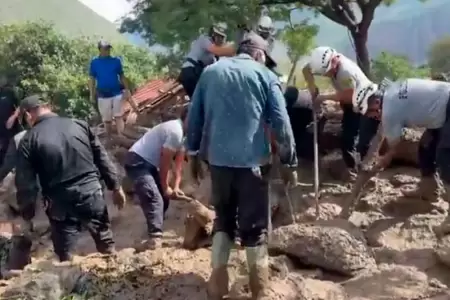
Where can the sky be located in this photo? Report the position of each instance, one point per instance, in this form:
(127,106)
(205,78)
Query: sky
(112,10)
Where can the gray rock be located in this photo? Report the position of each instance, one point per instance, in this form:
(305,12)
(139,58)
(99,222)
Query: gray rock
(331,245)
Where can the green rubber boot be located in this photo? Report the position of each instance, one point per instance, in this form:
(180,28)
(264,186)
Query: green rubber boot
(258,267)
(218,281)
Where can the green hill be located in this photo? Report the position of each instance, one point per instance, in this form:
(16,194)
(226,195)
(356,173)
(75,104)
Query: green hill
(69,16)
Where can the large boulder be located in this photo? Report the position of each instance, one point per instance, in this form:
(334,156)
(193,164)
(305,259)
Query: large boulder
(330,245)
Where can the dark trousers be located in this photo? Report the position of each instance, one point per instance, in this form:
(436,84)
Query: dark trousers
(242,195)
(4,143)
(356,128)
(188,78)
(148,188)
(87,209)
(443,150)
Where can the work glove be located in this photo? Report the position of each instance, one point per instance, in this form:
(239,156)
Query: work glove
(119,198)
(195,165)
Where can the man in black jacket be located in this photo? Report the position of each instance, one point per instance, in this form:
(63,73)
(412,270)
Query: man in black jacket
(69,161)
(9,125)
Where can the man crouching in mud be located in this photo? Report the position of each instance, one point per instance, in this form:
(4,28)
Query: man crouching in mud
(234,101)
(148,163)
(414,103)
(69,160)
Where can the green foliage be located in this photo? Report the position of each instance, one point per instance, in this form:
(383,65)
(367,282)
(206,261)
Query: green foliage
(439,56)
(299,39)
(38,59)
(396,67)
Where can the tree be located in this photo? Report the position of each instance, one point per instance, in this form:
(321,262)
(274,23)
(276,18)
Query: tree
(395,67)
(299,40)
(38,59)
(178,22)
(439,56)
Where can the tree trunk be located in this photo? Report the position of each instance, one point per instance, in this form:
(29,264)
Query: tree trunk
(292,71)
(362,53)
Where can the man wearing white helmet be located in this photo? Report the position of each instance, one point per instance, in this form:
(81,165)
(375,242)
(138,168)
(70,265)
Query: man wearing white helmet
(345,77)
(414,103)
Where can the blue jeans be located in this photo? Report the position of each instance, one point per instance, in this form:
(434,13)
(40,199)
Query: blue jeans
(148,188)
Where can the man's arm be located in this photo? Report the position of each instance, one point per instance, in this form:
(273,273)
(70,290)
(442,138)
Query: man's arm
(26,182)
(171,146)
(344,96)
(179,162)
(92,81)
(278,119)
(9,162)
(125,83)
(102,161)
(195,118)
(309,78)
(392,132)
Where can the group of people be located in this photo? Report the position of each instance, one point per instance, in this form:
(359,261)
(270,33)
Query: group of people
(242,91)
(239,117)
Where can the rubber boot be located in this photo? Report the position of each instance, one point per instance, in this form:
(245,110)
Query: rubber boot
(427,189)
(444,228)
(258,267)
(218,281)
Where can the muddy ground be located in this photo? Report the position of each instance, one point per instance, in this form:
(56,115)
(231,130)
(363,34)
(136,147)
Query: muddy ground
(386,252)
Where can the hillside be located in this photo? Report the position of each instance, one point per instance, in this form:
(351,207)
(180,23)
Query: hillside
(69,16)
(407,27)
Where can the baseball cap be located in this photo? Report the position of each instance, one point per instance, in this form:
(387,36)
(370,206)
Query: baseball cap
(255,41)
(31,102)
(104,44)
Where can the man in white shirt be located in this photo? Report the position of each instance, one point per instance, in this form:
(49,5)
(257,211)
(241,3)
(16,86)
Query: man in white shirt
(345,77)
(148,163)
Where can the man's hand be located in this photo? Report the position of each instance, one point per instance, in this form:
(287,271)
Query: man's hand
(119,198)
(195,165)
(289,176)
(131,118)
(22,227)
(168,192)
(177,192)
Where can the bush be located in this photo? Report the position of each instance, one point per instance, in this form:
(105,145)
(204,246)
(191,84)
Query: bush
(38,59)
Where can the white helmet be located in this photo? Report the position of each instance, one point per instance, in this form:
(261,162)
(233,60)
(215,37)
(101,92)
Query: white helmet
(361,96)
(320,59)
(265,25)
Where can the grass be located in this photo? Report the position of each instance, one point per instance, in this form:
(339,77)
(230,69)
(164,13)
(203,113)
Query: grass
(69,16)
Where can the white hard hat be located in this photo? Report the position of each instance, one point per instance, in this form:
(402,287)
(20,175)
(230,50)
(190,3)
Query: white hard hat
(320,60)
(361,96)
(265,24)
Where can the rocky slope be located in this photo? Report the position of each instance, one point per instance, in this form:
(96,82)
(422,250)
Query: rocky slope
(386,251)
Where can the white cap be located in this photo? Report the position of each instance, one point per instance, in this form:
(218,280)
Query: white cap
(320,59)
(361,96)
(265,24)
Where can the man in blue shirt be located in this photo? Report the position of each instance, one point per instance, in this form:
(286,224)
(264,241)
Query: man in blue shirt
(234,103)
(106,83)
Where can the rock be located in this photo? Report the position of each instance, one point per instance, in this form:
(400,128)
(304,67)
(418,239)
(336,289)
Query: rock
(401,179)
(442,250)
(8,203)
(295,287)
(328,211)
(198,226)
(323,244)
(15,253)
(391,282)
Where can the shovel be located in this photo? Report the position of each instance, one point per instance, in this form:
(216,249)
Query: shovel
(316,156)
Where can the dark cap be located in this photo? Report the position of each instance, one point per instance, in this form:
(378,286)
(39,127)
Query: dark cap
(255,41)
(31,102)
(104,44)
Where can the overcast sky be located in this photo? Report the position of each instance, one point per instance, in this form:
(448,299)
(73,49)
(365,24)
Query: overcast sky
(111,10)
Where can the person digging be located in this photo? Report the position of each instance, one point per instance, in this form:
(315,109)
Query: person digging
(414,103)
